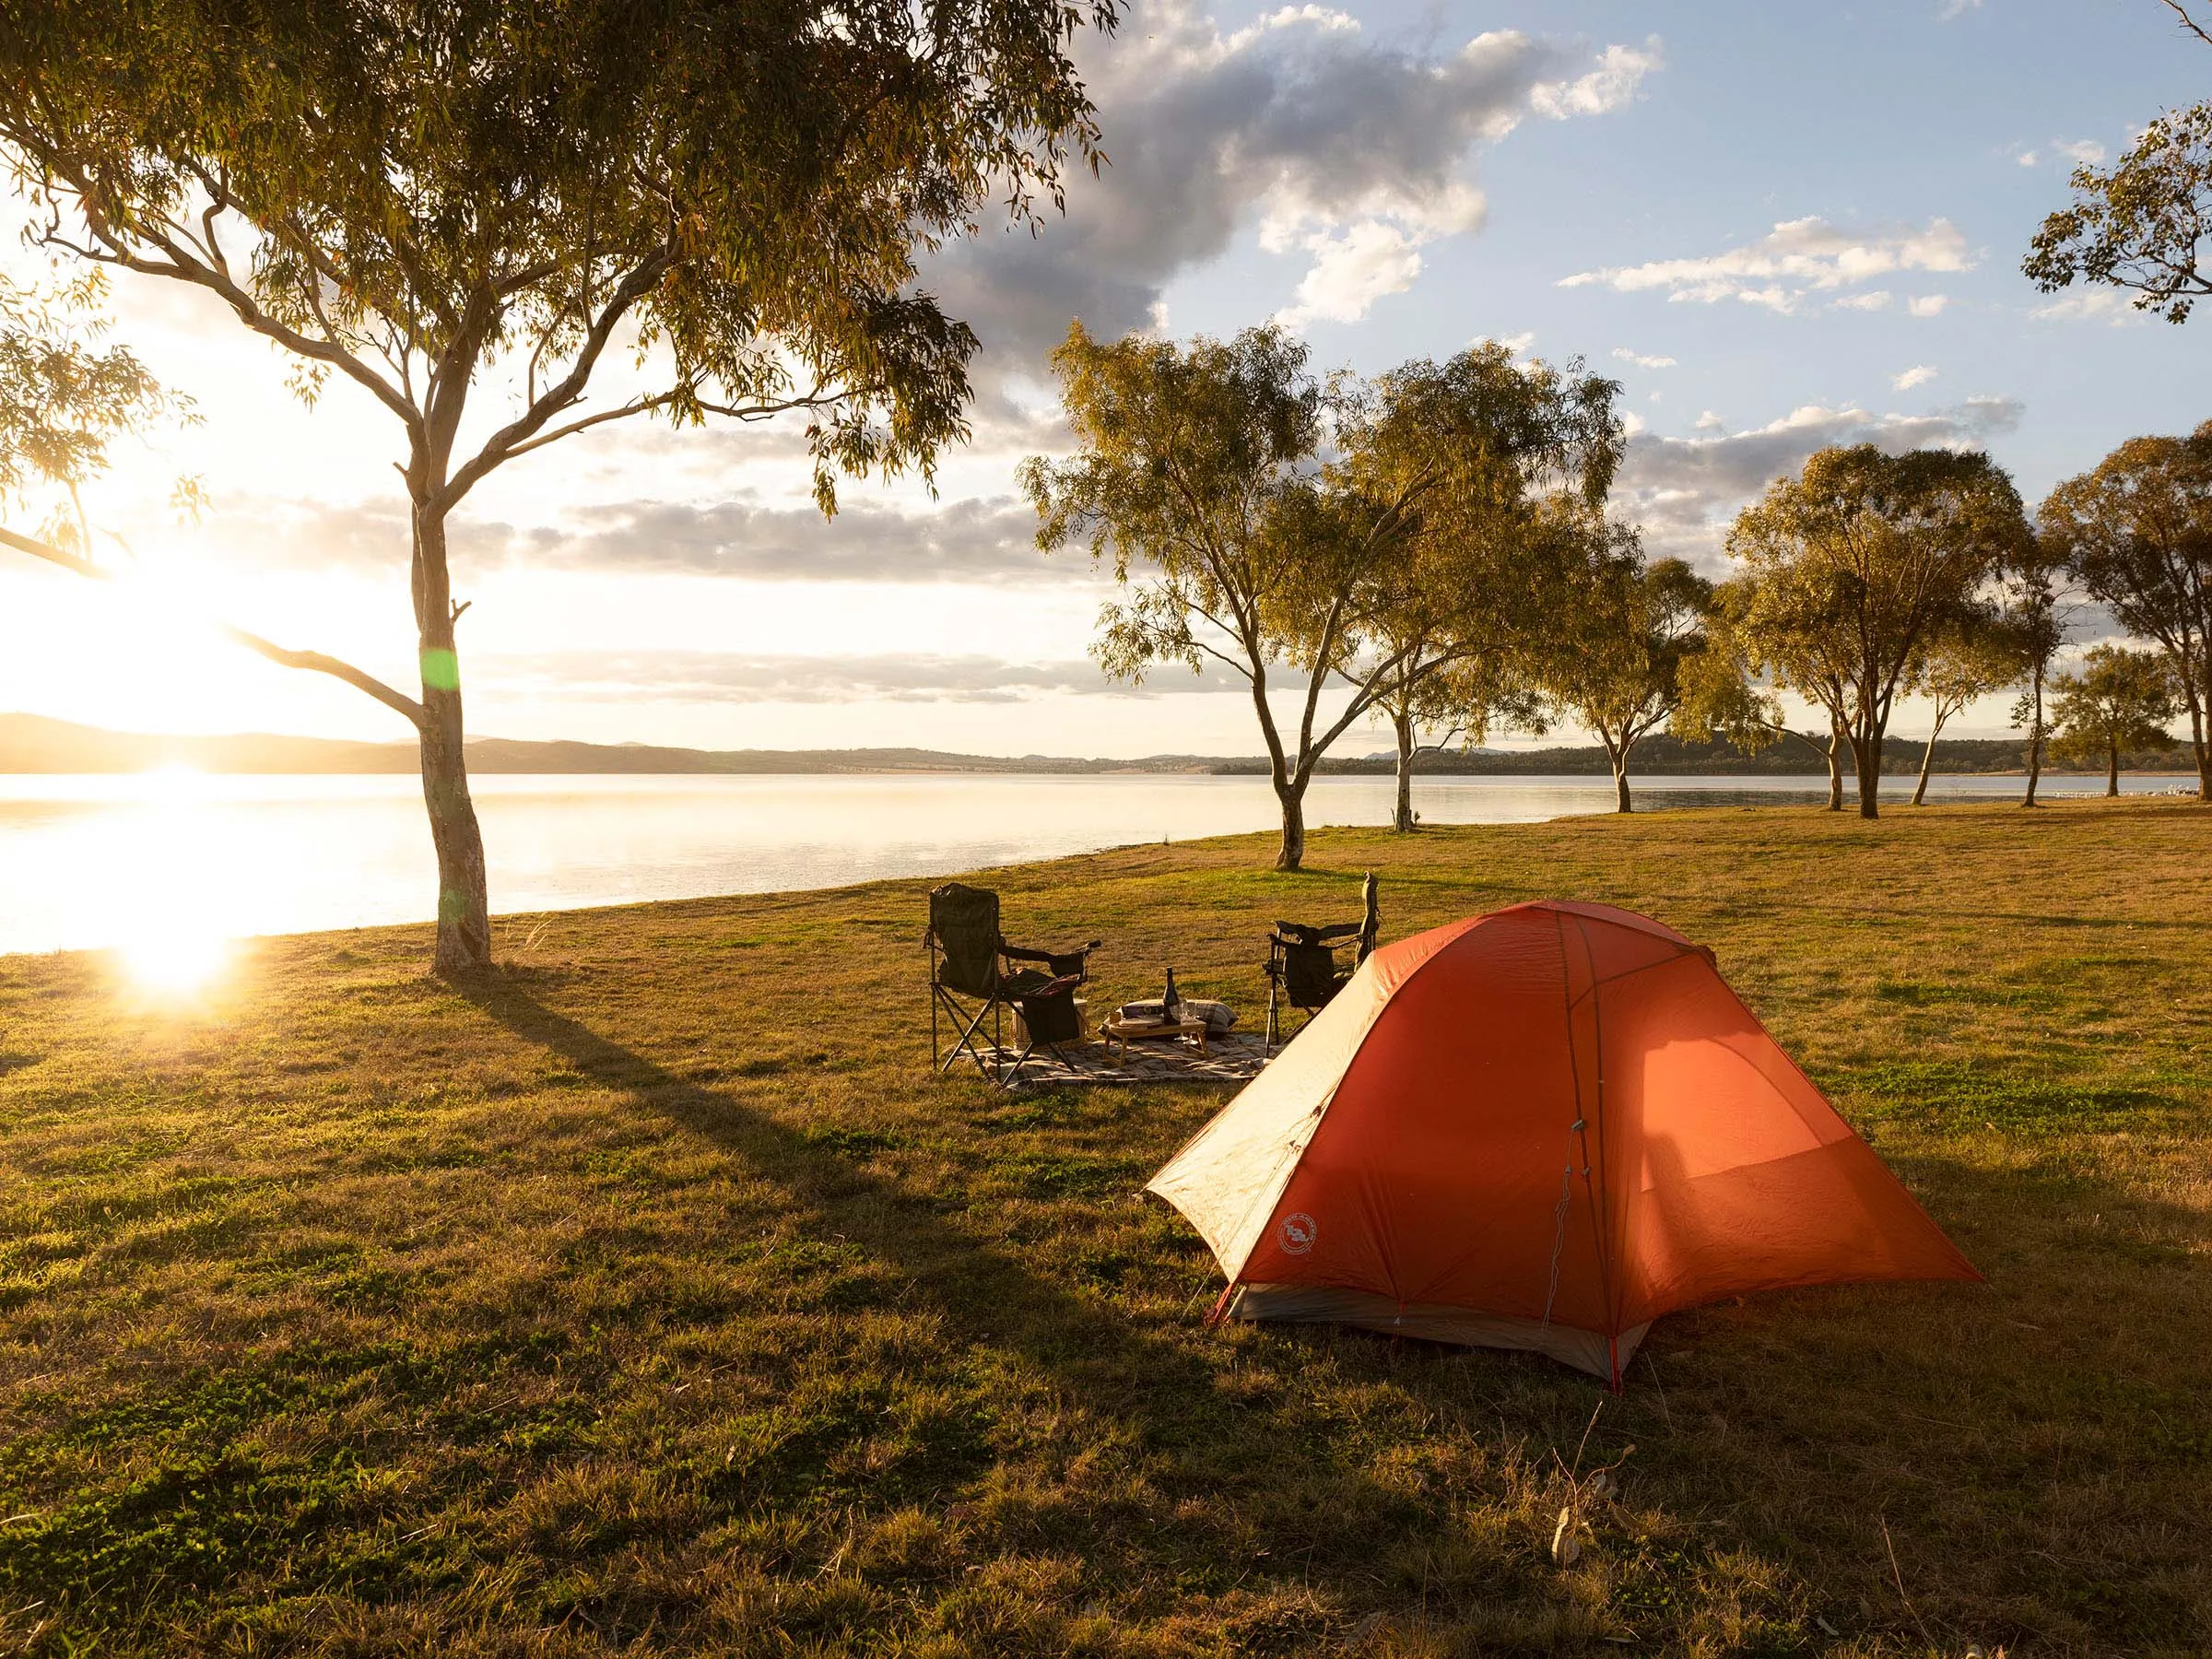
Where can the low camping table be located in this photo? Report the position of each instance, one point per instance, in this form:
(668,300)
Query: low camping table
(1153,1031)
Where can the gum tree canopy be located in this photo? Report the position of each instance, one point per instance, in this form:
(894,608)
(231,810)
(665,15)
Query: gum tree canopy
(2135,532)
(1854,565)
(410,197)
(1199,475)
(2141,225)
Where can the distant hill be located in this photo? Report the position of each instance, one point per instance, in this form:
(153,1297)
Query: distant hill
(31,743)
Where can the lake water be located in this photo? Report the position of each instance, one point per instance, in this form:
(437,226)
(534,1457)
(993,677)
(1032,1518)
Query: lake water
(165,862)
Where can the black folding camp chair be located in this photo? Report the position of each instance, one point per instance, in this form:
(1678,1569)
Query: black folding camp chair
(1304,969)
(973,977)
(1050,1020)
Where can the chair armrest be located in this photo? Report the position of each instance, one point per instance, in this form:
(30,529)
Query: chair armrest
(1076,961)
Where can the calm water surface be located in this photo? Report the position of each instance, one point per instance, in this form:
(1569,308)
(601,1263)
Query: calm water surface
(161,860)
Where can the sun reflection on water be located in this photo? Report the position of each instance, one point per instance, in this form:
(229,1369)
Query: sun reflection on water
(168,917)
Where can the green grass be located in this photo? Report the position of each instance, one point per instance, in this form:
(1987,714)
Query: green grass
(651,1297)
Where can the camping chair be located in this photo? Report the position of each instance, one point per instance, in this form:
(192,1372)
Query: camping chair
(1303,968)
(971,979)
(1049,1019)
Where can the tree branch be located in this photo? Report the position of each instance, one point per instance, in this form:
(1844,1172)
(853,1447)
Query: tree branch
(2188,22)
(182,268)
(313,661)
(505,443)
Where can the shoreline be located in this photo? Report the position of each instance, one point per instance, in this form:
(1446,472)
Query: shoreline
(1385,841)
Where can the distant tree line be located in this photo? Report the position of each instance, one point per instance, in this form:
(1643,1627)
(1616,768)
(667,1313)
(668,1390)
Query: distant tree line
(1437,545)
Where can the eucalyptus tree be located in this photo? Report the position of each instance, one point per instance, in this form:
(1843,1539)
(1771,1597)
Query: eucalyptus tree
(1199,478)
(1620,658)
(415,200)
(2136,533)
(1851,566)
(2117,700)
(63,400)
(1971,659)
(2141,224)
(2031,614)
(1775,630)
(1479,567)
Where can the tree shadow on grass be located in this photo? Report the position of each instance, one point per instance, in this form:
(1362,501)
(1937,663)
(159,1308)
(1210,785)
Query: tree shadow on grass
(983,1294)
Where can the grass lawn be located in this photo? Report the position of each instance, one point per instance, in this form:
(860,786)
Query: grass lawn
(651,1298)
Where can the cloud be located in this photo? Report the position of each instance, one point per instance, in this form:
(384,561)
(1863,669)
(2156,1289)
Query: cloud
(2025,158)
(1927,305)
(1920,374)
(983,541)
(1613,85)
(1626,356)
(1950,10)
(2084,152)
(714,677)
(1351,271)
(1684,491)
(1798,257)
(2092,305)
(1874,301)
(741,677)
(1328,143)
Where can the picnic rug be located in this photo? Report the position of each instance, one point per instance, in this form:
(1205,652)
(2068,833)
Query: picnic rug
(1231,1058)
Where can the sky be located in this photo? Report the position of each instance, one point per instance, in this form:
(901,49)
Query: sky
(1779,226)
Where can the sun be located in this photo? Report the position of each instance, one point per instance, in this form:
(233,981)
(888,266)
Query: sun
(171,935)
(175,961)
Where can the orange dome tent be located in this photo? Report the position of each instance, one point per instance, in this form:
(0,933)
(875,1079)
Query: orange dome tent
(1541,1128)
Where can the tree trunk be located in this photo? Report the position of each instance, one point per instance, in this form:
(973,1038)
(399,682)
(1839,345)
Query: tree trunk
(1618,754)
(1866,759)
(2112,771)
(1835,767)
(2035,735)
(463,905)
(1402,818)
(2202,748)
(1927,759)
(1293,796)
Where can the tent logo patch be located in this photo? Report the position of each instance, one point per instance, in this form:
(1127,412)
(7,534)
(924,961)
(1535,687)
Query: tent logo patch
(1298,1231)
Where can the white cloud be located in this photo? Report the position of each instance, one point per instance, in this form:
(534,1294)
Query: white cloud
(1927,305)
(1291,17)
(1349,151)
(1920,374)
(1951,9)
(1611,85)
(1796,258)
(1873,300)
(2025,158)
(2091,305)
(1637,357)
(1351,271)
(2085,152)
(1516,343)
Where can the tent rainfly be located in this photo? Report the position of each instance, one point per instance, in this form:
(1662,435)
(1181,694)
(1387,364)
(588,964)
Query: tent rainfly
(1541,1128)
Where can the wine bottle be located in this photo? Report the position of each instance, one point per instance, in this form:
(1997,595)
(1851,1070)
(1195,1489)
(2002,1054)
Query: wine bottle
(1170,1001)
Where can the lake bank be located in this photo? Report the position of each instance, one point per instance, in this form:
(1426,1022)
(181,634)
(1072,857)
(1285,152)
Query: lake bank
(652,1295)
(172,861)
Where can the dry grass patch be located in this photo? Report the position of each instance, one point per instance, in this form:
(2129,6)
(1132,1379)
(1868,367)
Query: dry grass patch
(651,1297)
